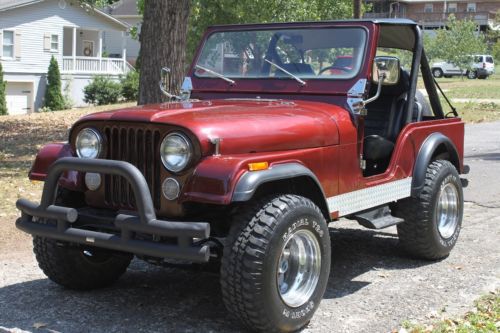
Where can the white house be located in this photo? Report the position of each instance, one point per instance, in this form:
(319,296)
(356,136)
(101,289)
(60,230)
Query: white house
(127,12)
(32,31)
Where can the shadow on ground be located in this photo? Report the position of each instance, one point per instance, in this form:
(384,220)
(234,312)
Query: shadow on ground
(152,299)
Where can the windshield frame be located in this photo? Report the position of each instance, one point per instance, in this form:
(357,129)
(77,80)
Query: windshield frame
(285,26)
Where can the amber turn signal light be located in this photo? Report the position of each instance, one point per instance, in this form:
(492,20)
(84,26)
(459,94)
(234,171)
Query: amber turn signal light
(258,166)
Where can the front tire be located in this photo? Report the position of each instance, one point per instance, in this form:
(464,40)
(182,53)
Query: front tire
(432,220)
(276,263)
(77,267)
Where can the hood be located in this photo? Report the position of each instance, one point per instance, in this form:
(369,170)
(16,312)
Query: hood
(244,126)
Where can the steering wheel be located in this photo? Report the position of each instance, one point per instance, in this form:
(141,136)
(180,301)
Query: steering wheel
(343,69)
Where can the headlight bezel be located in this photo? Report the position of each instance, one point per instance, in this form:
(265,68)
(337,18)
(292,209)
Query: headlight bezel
(100,141)
(189,149)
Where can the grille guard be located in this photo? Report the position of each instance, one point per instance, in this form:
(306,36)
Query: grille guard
(144,222)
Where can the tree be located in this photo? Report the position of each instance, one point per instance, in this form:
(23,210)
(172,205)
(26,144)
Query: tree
(357,9)
(457,43)
(163,43)
(164,29)
(3,102)
(53,95)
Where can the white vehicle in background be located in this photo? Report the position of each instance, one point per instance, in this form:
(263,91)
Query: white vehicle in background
(482,67)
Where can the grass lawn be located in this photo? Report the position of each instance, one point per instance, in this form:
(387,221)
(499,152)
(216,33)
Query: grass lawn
(20,139)
(484,318)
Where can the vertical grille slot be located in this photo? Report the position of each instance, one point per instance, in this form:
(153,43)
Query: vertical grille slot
(140,148)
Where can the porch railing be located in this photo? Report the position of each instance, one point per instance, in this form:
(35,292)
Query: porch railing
(92,65)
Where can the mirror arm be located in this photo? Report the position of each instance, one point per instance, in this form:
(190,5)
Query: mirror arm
(379,89)
(166,93)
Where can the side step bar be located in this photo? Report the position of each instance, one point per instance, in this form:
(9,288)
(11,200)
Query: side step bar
(377,218)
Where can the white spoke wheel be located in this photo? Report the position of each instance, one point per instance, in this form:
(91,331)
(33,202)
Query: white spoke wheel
(276,263)
(433,219)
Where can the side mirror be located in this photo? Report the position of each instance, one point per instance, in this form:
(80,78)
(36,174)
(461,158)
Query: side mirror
(386,67)
(165,83)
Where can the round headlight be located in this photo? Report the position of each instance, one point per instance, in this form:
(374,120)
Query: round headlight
(175,152)
(88,143)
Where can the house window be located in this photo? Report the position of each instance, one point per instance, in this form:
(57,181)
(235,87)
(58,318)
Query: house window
(452,7)
(429,8)
(54,43)
(8,44)
(471,7)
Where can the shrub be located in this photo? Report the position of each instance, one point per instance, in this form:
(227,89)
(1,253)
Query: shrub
(53,96)
(130,86)
(496,51)
(68,101)
(101,91)
(3,102)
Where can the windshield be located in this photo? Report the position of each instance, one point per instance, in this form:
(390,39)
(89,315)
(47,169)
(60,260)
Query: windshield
(313,53)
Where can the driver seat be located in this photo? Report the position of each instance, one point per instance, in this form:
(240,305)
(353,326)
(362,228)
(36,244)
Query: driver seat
(384,120)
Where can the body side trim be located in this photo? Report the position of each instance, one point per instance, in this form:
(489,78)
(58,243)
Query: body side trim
(370,197)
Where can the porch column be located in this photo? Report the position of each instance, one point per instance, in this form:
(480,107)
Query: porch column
(73,49)
(124,51)
(100,50)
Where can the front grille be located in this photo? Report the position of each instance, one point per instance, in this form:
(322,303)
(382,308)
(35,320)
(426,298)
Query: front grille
(139,147)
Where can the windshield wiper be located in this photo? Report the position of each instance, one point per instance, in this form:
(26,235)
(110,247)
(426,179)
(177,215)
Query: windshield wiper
(302,82)
(220,76)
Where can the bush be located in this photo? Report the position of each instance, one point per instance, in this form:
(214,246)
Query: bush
(53,96)
(130,86)
(496,51)
(101,91)
(3,102)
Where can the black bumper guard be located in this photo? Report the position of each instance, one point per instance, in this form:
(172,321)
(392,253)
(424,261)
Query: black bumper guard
(145,222)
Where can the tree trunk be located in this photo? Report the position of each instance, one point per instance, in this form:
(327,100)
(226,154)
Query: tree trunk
(163,44)
(356,9)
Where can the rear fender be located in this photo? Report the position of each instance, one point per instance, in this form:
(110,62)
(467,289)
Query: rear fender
(437,144)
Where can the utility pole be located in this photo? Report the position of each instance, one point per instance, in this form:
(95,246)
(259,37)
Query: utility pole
(356,9)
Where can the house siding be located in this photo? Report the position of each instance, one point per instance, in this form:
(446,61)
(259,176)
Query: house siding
(113,41)
(33,22)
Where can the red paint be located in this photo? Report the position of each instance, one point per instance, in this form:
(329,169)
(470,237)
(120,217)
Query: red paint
(308,124)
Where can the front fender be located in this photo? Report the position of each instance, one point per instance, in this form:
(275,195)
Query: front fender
(46,157)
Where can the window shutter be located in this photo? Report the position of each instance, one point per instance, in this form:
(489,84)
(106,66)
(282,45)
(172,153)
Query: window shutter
(1,43)
(17,45)
(46,42)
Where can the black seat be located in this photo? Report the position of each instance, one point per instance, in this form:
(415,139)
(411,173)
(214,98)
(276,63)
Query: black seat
(385,119)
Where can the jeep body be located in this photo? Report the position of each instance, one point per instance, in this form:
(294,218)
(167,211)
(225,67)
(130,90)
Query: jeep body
(274,142)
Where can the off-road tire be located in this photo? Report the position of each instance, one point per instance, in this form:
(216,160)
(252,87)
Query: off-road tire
(68,265)
(419,234)
(437,72)
(251,255)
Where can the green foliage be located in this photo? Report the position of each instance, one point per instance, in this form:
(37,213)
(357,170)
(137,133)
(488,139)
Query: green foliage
(457,43)
(3,102)
(205,13)
(130,86)
(98,3)
(495,51)
(102,91)
(68,102)
(53,96)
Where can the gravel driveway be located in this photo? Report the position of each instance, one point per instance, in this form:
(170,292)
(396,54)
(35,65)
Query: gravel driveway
(373,287)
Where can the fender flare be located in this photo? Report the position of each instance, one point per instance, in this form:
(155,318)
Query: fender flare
(424,158)
(248,184)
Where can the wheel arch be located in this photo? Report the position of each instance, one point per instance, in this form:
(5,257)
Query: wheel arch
(291,178)
(436,146)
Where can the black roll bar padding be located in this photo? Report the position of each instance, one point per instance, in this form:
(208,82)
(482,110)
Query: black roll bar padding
(430,87)
(417,55)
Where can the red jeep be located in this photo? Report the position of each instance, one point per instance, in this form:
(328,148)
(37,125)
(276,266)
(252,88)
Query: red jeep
(250,163)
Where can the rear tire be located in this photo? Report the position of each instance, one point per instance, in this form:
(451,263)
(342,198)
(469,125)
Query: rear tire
(264,284)
(437,72)
(78,267)
(471,75)
(432,220)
